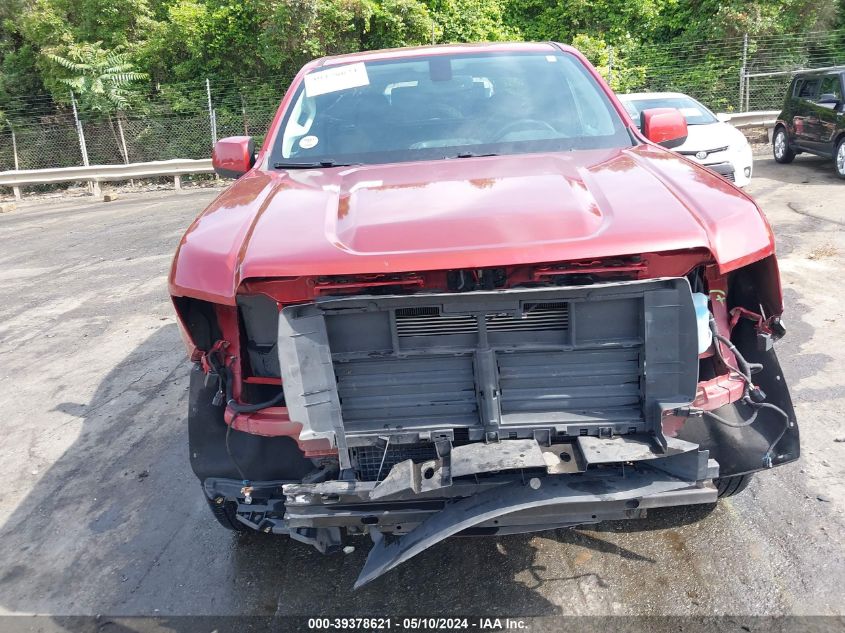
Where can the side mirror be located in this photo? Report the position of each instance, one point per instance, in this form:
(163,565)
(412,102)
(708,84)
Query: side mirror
(723,117)
(828,100)
(665,126)
(233,156)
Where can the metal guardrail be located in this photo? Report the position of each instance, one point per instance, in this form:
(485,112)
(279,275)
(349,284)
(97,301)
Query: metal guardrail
(760,118)
(95,174)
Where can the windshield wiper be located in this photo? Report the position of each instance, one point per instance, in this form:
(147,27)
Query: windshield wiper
(313,165)
(471,155)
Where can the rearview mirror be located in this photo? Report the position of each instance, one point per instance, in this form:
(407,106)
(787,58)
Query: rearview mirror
(665,126)
(233,156)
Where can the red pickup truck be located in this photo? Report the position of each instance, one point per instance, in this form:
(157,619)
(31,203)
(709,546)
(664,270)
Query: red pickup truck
(458,291)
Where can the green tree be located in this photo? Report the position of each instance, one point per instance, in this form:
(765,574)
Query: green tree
(471,21)
(395,23)
(102,80)
(300,30)
(21,86)
(612,62)
(684,44)
(717,19)
(51,23)
(563,20)
(205,38)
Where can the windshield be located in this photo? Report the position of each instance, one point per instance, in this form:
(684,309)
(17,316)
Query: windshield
(446,106)
(693,111)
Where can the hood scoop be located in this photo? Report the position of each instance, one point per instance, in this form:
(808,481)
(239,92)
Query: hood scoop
(478,205)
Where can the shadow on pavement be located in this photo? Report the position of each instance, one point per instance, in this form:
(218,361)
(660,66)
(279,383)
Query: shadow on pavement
(659,519)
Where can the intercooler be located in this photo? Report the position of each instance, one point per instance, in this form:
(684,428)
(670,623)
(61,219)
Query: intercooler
(369,372)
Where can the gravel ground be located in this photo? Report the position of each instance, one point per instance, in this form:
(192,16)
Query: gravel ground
(101,513)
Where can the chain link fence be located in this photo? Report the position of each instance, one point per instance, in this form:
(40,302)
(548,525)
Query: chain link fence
(707,71)
(739,74)
(772,62)
(182,120)
(175,123)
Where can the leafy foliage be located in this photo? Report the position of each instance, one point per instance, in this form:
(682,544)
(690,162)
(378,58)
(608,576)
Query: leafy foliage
(613,62)
(471,21)
(105,50)
(101,79)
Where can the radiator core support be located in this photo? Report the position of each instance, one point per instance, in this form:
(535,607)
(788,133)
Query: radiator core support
(597,361)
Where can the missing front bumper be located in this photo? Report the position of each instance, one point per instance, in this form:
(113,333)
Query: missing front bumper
(505,487)
(502,505)
(568,499)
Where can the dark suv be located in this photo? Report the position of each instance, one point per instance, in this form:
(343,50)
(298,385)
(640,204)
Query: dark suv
(813,118)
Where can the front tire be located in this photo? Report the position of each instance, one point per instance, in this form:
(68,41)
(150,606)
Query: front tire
(730,486)
(839,158)
(780,146)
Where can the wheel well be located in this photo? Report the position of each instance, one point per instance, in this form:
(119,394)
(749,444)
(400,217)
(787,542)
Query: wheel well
(756,285)
(200,321)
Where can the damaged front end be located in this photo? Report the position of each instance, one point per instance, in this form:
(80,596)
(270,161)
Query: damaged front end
(422,416)
(494,412)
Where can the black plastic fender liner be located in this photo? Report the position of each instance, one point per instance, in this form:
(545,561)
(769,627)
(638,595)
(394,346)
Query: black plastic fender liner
(742,450)
(537,492)
(261,458)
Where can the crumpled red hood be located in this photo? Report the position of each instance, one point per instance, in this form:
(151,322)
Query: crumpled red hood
(464,213)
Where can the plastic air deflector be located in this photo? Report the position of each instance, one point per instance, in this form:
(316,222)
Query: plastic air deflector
(600,360)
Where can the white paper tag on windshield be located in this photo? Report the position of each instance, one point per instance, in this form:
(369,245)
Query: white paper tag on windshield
(334,79)
(691,111)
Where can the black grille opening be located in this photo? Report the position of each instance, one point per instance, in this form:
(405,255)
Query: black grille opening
(422,311)
(556,305)
(461,436)
(429,321)
(366,460)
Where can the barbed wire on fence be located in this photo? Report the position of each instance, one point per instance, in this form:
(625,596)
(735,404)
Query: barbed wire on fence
(174,120)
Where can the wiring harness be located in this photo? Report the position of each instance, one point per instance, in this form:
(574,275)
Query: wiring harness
(216,364)
(753,396)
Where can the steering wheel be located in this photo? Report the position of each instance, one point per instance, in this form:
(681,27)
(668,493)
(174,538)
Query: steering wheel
(524,124)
